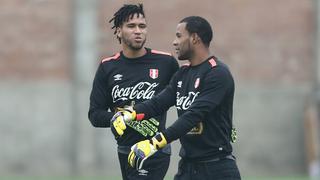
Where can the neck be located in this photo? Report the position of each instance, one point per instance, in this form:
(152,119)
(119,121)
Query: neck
(130,53)
(200,55)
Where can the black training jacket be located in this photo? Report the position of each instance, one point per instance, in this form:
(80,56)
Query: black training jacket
(120,80)
(203,96)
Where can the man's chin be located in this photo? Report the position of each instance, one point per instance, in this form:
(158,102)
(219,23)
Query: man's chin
(182,58)
(136,48)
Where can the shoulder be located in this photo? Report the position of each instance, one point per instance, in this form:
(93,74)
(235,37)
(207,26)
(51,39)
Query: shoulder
(107,64)
(160,53)
(219,70)
(164,57)
(111,58)
(217,65)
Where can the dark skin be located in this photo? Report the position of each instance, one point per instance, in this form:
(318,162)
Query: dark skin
(189,46)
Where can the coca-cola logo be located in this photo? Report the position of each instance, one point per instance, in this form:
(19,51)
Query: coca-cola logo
(142,90)
(184,102)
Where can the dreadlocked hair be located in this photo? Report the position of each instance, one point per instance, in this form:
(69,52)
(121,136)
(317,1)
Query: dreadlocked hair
(125,13)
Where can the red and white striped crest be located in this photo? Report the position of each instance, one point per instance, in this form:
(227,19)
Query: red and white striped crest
(154,73)
(197,83)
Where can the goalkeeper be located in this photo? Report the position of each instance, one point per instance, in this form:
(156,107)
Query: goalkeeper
(203,95)
(136,73)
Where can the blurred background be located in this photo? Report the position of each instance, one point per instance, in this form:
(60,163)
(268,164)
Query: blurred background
(50,49)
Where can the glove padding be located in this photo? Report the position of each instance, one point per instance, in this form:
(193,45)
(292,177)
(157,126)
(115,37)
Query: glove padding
(146,127)
(233,135)
(144,149)
(128,117)
(120,118)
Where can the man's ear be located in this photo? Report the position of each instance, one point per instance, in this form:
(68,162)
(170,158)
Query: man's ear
(118,33)
(195,38)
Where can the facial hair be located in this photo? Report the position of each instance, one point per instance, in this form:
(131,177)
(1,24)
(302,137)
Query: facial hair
(132,46)
(187,53)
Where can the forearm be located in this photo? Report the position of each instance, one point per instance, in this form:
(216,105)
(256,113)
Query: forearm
(196,113)
(100,118)
(150,109)
(157,105)
(181,126)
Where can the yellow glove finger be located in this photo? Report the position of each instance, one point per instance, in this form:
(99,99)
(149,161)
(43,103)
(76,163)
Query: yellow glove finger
(139,153)
(131,159)
(119,131)
(119,125)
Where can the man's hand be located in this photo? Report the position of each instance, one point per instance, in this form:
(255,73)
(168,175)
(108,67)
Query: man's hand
(144,149)
(146,127)
(128,113)
(119,120)
(117,125)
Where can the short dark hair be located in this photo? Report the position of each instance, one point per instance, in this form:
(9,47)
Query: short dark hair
(200,26)
(126,12)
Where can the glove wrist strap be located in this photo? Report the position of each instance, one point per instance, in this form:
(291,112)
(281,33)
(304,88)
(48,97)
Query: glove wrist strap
(158,141)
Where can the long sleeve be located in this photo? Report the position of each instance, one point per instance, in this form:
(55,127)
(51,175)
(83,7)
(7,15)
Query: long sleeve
(99,101)
(214,88)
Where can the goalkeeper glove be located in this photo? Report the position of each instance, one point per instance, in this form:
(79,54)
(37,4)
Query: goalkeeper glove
(147,127)
(144,149)
(118,121)
(233,135)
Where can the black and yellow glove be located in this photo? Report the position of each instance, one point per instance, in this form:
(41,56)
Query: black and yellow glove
(233,135)
(146,127)
(120,118)
(144,149)
(127,116)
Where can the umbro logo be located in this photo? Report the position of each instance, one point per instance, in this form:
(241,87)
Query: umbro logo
(118,77)
(179,84)
(143,172)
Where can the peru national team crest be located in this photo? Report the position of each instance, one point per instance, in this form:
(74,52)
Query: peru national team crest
(154,73)
(197,83)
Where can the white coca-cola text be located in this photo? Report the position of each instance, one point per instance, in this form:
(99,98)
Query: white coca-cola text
(142,90)
(184,102)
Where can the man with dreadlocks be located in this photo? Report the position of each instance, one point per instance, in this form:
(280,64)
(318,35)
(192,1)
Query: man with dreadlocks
(135,74)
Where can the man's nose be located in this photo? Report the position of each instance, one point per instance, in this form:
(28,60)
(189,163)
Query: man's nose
(137,29)
(174,43)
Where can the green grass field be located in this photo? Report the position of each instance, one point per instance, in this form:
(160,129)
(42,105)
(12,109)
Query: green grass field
(119,178)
